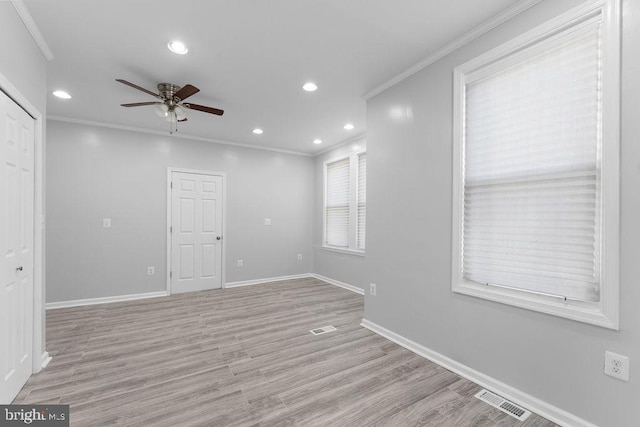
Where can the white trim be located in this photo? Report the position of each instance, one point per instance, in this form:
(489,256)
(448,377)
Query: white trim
(338,283)
(359,137)
(38,236)
(104,300)
(468,37)
(170,171)
(354,252)
(265,280)
(28,21)
(606,312)
(538,406)
(175,135)
(45,359)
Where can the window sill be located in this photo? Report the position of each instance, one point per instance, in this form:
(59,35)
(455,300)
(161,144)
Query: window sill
(353,252)
(586,312)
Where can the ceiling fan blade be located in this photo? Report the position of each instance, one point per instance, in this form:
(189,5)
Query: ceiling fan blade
(139,88)
(202,108)
(186,92)
(140,104)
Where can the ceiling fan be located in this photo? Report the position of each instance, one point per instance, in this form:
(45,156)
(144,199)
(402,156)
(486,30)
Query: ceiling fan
(171,103)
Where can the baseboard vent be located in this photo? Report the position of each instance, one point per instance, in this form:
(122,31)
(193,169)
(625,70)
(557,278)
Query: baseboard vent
(323,330)
(503,404)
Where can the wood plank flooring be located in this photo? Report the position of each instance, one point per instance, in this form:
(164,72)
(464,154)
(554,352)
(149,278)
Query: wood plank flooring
(244,357)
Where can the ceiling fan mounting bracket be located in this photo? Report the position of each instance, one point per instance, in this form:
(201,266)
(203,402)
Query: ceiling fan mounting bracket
(168,90)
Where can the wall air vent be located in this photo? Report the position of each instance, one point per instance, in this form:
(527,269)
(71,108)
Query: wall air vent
(503,404)
(323,330)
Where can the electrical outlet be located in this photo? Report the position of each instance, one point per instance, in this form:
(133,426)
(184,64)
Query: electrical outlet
(299,257)
(240,263)
(267,221)
(151,271)
(106,223)
(372,289)
(616,365)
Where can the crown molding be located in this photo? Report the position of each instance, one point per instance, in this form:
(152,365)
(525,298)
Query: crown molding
(181,136)
(28,21)
(359,137)
(468,37)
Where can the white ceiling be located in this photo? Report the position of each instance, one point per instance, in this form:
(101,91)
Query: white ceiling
(248,57)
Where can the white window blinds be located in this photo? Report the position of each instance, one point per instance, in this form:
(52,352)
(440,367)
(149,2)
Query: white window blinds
(337,203)
(362,199)
(532,162)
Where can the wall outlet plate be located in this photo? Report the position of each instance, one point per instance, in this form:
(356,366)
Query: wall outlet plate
(616,365)
(106,223)
(372,289)
(151,271)
(299,257)
(240,263)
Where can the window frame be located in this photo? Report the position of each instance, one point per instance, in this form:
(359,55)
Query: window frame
(604,313)
(352,249)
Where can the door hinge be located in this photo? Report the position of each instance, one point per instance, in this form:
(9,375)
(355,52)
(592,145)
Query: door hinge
(170,274)
(171,184)
(171,229)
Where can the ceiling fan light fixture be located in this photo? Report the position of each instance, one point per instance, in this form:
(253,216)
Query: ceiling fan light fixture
(162,110)
(258,131)
(181,114)
(349,126)
(178,47)
(61,94)
(317,141)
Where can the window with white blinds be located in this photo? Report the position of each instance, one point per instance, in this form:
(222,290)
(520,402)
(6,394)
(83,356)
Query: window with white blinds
(362,199)
(529,197)
(345,203)
(337,204)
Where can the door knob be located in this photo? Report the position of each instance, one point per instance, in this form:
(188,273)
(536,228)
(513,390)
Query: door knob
(218,238)
(19,268)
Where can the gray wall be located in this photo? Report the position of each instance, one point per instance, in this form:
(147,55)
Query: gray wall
(343,267)
(409,245)
(96,172)
(24,66)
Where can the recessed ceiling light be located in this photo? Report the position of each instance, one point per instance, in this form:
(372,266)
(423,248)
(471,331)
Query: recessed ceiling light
(349,126)
(317,141)
(61,94)
(177,47)
(310,86)
(257,131)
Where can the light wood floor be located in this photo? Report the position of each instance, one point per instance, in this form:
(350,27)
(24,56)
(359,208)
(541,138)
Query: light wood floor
(242,357)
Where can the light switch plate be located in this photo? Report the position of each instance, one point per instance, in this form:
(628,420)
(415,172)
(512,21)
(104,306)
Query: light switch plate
(267,221)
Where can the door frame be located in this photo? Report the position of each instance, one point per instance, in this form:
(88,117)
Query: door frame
(170,171)
(40,356)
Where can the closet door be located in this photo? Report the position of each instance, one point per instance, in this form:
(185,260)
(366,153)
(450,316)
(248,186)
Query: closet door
(16,247)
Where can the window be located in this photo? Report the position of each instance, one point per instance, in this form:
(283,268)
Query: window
(345,203)
(536,169)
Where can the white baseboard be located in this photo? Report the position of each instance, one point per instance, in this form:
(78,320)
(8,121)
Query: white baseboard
(339,283)
(265,280)
(104,300)
(540,407)
(45,359)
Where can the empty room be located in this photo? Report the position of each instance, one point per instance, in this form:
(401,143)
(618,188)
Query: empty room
(320,213)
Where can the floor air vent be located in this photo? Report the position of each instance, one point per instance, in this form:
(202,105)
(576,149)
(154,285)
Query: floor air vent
(323,330)
(503,404)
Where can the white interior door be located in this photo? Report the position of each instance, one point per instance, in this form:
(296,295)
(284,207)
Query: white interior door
(196,232)
(16,243)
